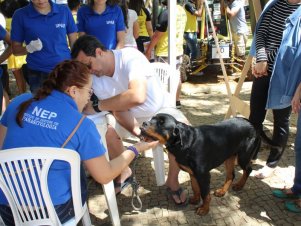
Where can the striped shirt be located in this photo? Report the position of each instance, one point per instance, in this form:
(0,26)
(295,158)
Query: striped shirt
(269,34)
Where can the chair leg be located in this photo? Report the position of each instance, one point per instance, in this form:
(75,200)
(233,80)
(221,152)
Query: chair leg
(158,155)
(109,193)
(86,220)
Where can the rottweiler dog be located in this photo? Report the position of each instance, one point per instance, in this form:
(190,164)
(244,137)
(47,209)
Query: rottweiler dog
(199,149)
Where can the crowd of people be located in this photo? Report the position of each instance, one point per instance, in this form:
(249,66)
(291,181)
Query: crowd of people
(77,63)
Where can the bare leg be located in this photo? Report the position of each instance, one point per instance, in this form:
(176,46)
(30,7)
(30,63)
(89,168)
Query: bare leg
(126,120)
(172,179)
(20,80)
(179,91)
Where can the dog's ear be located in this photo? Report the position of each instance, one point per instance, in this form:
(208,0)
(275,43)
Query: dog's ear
(179,132)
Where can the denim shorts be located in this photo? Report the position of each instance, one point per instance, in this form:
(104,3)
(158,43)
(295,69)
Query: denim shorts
(34,78)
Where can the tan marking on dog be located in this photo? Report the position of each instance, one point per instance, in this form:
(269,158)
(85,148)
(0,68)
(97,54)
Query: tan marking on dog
(195,199)
(229,166)
(151,132)
(204,209)
(241,183)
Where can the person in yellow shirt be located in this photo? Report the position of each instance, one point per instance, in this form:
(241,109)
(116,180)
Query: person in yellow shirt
(160,40)
(193,9)
(145,23)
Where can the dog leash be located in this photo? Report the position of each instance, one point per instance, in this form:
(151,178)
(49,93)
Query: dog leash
(135,187)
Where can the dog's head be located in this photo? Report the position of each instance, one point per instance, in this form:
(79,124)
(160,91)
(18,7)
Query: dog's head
(163,127)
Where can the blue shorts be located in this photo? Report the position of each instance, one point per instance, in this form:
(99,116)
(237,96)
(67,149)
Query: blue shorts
(34,78)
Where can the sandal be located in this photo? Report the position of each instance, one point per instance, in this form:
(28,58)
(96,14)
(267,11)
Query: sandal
(293,206)
(283,194)
(177,193)
(123,185)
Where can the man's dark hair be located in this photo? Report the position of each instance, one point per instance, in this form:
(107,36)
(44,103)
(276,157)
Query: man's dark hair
(88,44)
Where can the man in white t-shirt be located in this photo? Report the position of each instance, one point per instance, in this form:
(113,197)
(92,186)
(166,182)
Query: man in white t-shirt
(239,28)
(125,85)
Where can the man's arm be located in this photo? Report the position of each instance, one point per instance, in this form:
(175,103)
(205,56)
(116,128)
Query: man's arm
(233,11)
(134,96)
(155,39)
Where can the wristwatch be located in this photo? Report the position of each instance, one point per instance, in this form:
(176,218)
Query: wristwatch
(95,101)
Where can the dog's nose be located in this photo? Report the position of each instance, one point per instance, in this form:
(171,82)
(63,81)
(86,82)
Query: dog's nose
(144,124)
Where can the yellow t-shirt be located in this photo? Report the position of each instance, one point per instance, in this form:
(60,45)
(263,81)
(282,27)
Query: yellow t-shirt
(162,45)
(191,24)
(142,18)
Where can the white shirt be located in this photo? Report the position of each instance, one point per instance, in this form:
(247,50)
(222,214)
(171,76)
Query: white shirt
(129,35)
(131,64)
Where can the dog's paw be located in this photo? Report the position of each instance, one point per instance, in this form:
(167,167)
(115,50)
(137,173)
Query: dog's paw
(202,210)
(219,192)
(237,187)
(194,200)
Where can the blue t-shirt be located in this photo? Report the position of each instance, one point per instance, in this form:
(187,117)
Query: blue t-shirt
(48,123)
(103,26)
(28,24)
(2,33)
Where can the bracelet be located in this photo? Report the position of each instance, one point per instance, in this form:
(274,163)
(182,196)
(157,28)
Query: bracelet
(133,149)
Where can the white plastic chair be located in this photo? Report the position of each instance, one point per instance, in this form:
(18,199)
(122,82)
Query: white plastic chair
(25,171)
(170,80)
(169,77)
(101,124)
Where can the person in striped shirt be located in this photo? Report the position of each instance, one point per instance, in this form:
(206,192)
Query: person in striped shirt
(267,40)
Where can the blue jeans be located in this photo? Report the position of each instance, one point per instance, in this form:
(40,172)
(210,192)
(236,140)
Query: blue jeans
(296,189)
(192,48)
(34,78)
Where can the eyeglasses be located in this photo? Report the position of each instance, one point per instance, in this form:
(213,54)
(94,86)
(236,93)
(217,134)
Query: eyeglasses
(91,91)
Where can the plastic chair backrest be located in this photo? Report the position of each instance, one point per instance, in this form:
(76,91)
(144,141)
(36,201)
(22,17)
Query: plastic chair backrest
(23,179)
(169,77)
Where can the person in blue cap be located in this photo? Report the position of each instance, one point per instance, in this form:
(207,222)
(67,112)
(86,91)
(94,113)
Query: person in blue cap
(42,26)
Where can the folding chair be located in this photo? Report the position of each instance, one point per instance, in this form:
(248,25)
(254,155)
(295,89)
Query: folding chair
(23,180)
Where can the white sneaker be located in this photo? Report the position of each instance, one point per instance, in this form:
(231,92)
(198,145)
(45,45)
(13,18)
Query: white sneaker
(264,172)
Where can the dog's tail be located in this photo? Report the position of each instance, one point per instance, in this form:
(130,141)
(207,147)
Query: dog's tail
(264,138)
(268,141)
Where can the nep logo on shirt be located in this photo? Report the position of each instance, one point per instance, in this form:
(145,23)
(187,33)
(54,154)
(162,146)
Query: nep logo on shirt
(60,25)
(111,22)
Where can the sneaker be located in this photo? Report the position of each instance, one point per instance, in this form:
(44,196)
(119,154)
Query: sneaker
(178,104)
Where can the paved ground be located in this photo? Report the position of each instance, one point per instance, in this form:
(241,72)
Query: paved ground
(205,103)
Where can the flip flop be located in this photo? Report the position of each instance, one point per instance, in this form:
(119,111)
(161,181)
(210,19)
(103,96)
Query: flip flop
(177,193)
(123,185)
(282,194)
(292,206)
